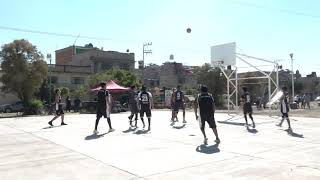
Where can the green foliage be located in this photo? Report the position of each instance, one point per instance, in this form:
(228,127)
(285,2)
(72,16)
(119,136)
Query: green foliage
(33,107)
(64,91)
(35,103)
(191,91)
(44,92)
(23,68)
(80,92)
(256,87)
(214,80)
(122,77)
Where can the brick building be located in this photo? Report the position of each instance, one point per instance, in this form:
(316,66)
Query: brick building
(99,60)
(169,74)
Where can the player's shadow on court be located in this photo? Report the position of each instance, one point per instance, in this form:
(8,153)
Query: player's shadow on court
(94,136)
(131,129)
(253,131)
(208,149)
(50,127)
(232,123)
(179,127)
(293,134)
(139,132)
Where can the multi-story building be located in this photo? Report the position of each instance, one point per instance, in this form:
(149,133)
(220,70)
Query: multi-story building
(98,59)
(169,74)
(75,64)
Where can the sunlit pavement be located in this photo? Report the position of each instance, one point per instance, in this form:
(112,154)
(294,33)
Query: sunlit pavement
(31,150)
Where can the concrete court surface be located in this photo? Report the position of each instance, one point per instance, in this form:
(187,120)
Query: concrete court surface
(29,149)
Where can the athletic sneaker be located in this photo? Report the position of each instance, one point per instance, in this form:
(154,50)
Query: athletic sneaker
(62,124)
(50,123)
(95,132)
(184,121)
(217,141)
(205,141)
(111,130)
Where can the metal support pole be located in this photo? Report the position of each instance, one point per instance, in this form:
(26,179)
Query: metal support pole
(142,74)
(277,76)
(50,83)
(49,57)
(228,92)
(292,77)
(144,51)
(269,91)
(236,87)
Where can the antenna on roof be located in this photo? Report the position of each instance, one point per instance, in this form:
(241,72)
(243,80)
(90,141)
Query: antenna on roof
(76,39)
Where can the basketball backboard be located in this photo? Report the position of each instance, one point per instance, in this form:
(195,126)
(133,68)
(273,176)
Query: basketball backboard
(224,54)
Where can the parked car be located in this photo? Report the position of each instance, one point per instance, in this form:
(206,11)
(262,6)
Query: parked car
(15,107)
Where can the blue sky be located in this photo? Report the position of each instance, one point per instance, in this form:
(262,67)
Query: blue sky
(268,29)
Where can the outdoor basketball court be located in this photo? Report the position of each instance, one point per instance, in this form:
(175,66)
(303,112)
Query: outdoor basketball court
(31,150)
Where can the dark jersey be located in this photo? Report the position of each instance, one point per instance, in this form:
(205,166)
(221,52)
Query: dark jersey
(179,96)
(102,95)
(284,100)
(133,96)
(144,98)
(247,98)
(206,104)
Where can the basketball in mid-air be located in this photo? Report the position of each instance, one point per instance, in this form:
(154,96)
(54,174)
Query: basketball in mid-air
(189,30)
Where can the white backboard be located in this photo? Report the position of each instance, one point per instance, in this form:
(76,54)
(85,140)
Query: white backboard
(224,54)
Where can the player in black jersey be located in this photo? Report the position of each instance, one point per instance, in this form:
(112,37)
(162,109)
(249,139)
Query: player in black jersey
(179,103)
(172,103)
(284,108)
(205,102)
(58,107)
(103,107)
(146,104)
(247,108)
(133,105)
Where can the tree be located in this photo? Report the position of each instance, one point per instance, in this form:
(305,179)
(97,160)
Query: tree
(80,92)
(64,91)
(23,68)
(122,77)
(44,91)
(256,87)
(214,80)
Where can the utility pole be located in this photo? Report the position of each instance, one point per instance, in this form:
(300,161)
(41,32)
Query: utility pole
(292,77)
(49,57)
(145,51)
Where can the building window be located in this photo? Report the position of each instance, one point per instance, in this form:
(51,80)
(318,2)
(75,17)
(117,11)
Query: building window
(182,80)
(125,66)
(77,80)
(106,66)
(54,79)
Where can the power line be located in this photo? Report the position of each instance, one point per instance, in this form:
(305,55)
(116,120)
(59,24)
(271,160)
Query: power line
(287,11)
(52,33)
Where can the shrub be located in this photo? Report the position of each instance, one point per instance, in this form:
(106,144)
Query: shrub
(34,107)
